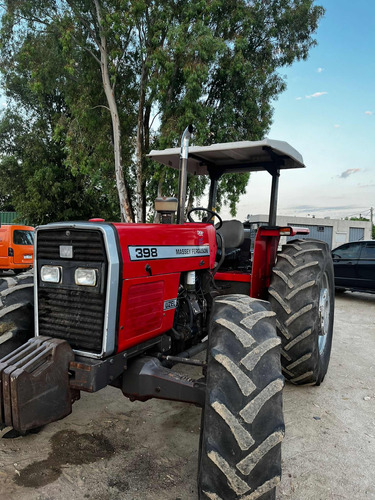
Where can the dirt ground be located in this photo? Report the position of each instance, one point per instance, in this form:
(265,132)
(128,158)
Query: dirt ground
(112,449)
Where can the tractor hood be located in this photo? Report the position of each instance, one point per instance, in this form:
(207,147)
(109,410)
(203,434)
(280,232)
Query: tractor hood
(233,157)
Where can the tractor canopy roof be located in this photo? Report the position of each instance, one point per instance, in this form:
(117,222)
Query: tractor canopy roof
(233,157)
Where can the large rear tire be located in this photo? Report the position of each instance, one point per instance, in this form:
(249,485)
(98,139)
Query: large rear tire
(302,295)
(242,421)
(16,311)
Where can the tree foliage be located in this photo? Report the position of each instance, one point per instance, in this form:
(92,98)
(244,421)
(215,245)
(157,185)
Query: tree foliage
(43,188)
(99,83)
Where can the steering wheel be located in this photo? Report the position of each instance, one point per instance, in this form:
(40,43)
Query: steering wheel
(209,212)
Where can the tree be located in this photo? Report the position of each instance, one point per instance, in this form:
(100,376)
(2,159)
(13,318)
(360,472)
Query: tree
(49,192)
(162,65)
(37,130)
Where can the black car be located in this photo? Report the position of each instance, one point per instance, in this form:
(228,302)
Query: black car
(354,265)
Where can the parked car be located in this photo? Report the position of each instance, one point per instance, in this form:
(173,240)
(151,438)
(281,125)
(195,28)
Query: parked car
(16,247)
(354,266)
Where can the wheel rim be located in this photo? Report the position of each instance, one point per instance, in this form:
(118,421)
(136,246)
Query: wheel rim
(324,313)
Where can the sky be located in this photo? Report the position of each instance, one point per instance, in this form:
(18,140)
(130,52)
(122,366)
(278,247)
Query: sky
(327,114)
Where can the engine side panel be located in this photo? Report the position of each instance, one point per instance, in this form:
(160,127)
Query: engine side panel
(154,256)
(147,308)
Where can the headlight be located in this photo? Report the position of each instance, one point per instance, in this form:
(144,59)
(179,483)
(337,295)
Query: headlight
(84,276)
(50,274)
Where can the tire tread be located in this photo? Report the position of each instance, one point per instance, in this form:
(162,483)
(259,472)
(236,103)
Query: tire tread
(243,412)
(294,295)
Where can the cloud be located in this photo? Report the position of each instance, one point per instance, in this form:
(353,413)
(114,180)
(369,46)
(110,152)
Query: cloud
(314,208)
(369,113)
(304,208)
(349,171)
(298,98)
(317,94)
(337,126)
(320,70)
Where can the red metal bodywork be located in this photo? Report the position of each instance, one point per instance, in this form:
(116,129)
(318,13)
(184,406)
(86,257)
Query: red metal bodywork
(264,257)
(237,276)
(148,283)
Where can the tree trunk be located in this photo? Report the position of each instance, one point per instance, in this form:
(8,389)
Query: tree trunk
(159,194)
(125,202)
(146,149)
(190,200)
(140,147)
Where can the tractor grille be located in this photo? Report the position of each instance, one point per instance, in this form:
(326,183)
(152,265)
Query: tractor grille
(65,310)
(88,245)
(74,316)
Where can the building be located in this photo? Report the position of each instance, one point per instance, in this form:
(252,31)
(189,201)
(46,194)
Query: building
(335,232)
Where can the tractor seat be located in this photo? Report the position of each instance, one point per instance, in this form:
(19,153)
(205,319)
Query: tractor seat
(233,234)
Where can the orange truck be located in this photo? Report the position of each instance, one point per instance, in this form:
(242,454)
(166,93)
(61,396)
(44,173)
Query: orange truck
(16,247)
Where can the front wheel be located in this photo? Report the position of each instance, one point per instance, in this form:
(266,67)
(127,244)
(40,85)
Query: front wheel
(302,295)
(242,421)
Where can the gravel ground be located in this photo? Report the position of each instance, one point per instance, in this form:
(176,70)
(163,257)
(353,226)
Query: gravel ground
(112,449)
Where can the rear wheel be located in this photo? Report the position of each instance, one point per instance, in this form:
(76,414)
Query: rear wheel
(242,422)
(302,295)
(16,311)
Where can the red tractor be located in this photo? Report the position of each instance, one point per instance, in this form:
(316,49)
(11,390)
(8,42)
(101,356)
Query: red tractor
(120,304)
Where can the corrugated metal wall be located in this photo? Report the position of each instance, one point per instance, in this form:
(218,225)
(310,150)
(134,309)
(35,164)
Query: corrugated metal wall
(356,233)
(323,233)
(9,217)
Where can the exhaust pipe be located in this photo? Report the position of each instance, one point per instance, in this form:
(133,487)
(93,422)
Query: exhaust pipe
(182,182)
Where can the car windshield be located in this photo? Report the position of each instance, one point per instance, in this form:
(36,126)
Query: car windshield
(22,237)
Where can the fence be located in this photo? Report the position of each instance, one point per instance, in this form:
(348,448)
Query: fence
(10,218)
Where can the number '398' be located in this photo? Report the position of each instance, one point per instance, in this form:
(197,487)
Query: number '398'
(146,253)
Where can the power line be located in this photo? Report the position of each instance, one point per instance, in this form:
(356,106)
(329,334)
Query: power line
(360,214)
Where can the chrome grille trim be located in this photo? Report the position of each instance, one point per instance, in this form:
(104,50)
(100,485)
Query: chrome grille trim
(112,288)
